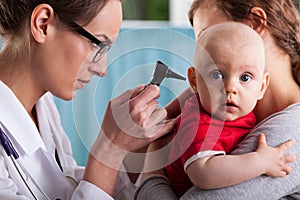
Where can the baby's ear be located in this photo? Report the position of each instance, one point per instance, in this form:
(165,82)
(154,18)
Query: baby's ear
(264,86)
(192,78)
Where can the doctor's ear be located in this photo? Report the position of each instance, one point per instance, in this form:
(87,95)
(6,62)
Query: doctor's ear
(192,78)
(42,18)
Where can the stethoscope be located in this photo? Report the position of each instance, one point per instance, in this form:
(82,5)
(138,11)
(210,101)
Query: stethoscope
(13,155)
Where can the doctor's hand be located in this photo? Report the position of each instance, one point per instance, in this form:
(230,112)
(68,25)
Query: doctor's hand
(131,122)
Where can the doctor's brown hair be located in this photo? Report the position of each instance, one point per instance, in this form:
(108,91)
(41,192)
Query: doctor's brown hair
(15,19)
(282,22)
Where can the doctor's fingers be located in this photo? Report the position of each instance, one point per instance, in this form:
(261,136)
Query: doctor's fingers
(136,123)
(164,128)
(127,95)
(143,115)
(157,116)
(152,124)
(148,94)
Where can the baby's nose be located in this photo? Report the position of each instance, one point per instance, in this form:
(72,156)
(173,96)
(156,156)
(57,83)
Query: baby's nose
(230,87)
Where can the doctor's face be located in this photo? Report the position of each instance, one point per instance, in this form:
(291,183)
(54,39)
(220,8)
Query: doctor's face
(72,53)
(105,28)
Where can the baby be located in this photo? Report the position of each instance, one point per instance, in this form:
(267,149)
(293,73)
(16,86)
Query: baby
(228,79)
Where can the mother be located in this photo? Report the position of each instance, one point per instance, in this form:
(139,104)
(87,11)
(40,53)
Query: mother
(277,22)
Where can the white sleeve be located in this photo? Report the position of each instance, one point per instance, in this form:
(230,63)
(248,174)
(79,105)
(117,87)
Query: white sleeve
(86,190)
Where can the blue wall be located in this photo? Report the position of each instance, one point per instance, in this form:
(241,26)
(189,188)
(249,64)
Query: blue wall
(131,62)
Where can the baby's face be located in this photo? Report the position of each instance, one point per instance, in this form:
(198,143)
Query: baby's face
(231,79)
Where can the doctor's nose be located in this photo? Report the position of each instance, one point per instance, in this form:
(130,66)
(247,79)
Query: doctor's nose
(100,68)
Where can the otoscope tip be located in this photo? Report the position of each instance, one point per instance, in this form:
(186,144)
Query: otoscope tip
(171,74)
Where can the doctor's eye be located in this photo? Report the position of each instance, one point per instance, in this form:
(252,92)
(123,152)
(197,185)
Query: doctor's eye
(216,75)
(245,78)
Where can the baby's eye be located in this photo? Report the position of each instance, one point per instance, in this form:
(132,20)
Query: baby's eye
(217,75)
(245,78)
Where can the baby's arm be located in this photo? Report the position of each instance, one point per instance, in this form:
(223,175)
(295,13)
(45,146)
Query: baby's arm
(221,171)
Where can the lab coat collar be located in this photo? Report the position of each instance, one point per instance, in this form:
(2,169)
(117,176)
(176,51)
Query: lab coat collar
(18,125)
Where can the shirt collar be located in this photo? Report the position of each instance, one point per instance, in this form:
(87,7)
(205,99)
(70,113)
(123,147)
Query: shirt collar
(17,123)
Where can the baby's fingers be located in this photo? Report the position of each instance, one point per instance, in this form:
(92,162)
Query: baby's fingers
(290,158)
(261,140)
(280,171)
(287,169)
(281,174)
(287,145)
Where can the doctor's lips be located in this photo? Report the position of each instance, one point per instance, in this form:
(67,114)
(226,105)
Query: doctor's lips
(81,83)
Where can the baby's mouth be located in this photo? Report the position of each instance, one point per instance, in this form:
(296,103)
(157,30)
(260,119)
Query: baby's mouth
(230,104)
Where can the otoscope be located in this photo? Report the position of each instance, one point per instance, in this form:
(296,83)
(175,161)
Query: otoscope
(162,71)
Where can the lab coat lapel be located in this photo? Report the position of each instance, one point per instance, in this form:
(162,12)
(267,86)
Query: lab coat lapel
(48,176)
(44,127)
(18,125)
(26,139)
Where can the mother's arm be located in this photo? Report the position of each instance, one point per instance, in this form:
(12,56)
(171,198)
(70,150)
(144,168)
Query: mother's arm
(278,129)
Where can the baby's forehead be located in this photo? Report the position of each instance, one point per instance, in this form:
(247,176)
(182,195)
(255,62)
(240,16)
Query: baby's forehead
(230,42)
(228,32)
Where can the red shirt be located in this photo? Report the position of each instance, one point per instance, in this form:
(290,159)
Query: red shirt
(198,135)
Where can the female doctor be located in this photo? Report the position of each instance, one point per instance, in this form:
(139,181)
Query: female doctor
(54,47)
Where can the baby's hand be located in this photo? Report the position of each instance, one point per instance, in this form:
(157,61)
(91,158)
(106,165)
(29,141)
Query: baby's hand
(274,159)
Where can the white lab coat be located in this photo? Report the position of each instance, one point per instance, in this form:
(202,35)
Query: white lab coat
(36,150)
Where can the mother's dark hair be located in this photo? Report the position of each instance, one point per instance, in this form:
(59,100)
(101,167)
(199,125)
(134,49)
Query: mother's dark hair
(282,22)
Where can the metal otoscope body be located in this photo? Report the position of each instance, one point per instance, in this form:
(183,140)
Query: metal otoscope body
(162,71)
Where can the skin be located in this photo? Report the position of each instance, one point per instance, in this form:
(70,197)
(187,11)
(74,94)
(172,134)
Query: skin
(55,65)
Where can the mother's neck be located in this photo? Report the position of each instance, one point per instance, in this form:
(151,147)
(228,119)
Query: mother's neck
(283,90)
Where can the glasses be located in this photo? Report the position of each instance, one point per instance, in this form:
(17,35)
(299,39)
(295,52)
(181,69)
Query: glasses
(102,46)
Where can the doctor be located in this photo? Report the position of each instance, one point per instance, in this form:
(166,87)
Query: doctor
(54,47)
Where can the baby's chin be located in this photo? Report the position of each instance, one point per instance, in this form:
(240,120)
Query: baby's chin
(226,116)
(231,118)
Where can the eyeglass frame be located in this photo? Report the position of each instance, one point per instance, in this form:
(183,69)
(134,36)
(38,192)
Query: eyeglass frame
(101,44)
